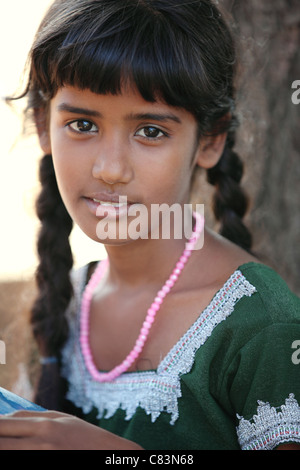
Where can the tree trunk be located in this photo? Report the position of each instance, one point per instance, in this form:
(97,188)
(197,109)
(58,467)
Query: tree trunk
(268,35)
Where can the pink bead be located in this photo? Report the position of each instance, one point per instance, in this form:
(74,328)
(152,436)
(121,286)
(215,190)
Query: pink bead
(109,376)
(158,300)
(161,294)
(180,265)
(150,319)
(166,289)
(151,312)
(90,363)
(145,330)
(183,259)
(133,355)
(126,363)
(187,253)
(155,306)
(174,277)
(85,348)
(170,283)
(122,368)
(137,348)
(85,303)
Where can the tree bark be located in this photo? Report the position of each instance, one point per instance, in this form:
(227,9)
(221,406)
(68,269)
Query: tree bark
(268,38)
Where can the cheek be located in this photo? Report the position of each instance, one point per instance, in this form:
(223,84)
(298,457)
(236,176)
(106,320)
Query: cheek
(171,179)
(67,167)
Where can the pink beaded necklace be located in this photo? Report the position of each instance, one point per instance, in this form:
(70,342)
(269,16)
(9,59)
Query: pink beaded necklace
(150,317)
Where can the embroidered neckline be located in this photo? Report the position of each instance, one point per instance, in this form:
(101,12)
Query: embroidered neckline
(155,391)
(270,426)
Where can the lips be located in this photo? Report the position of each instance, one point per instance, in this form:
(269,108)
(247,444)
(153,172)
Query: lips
(113,198)
(103,204)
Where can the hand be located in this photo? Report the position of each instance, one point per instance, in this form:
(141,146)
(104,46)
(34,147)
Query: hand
(50,430)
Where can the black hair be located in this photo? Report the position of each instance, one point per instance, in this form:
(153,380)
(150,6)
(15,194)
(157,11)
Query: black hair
(180,52)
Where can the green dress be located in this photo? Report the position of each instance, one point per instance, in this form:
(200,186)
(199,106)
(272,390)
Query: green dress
(231,382)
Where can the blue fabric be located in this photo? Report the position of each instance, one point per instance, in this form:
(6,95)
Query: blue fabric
(10,402)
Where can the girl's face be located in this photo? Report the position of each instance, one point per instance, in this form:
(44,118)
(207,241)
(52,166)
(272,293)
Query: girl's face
(112,148)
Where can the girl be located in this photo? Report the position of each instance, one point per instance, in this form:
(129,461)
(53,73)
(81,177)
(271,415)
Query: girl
(162,345)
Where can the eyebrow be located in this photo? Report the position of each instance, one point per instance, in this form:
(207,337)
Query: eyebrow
(76,110)
(160,117)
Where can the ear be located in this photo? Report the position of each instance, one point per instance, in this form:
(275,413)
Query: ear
(209,150)
(41,122)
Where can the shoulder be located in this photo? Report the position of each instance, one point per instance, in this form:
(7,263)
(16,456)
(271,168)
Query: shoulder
(260,312)
(272,293)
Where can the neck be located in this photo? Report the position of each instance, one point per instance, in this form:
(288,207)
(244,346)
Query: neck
(143,261)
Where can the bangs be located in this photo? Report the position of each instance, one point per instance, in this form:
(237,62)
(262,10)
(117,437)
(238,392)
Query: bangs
(136,46)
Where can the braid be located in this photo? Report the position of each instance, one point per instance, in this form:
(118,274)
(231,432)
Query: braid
(230,202)
(53,275)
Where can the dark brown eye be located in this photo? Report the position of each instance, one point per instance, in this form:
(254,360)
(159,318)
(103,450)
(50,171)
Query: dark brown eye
(150,132)
(83,125)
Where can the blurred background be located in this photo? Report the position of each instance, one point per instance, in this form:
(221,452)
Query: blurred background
(268,35)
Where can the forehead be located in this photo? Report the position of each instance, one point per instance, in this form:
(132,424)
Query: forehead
(126,104)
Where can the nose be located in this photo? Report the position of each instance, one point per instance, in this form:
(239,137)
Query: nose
(112,163)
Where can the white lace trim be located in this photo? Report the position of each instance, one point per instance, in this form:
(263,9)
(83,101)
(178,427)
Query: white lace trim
(154,391)
(270,427)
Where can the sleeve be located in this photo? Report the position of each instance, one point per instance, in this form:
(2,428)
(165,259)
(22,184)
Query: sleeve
(265,388)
